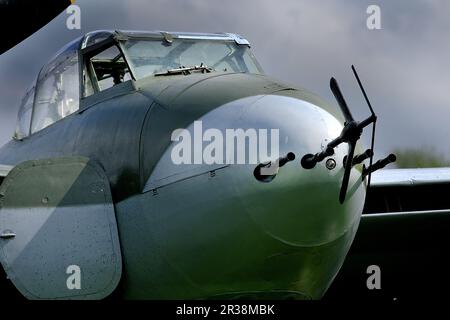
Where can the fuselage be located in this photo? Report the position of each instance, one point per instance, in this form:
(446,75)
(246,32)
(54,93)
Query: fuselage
(212,230)
(201,236)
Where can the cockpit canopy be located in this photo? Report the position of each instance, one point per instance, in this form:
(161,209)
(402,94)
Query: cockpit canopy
(101,60)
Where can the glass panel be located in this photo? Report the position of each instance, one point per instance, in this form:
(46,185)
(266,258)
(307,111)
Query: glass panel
(153,56)
(57,94)
(110,69)
(24,116)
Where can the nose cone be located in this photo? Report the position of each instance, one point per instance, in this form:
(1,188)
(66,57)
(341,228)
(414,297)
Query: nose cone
(299,207)
(225,231)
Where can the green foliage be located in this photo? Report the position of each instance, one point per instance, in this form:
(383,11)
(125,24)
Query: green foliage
(420,158)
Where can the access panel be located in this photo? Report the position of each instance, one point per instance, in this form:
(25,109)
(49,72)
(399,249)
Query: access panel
(58,231)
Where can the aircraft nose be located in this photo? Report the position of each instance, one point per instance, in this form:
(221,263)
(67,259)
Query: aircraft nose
(297,206)
(204,206)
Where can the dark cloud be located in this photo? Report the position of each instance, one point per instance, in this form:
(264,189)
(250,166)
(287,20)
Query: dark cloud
(404,66)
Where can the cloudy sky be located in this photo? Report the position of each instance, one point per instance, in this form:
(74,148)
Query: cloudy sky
(405,66)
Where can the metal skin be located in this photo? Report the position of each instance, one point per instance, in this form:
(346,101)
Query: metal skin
(212,231)
(46,229)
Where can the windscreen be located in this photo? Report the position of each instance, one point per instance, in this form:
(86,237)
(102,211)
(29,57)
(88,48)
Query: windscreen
(149,57)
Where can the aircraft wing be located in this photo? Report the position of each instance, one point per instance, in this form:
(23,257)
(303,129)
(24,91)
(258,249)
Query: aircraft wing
(21,18)
(405,231)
